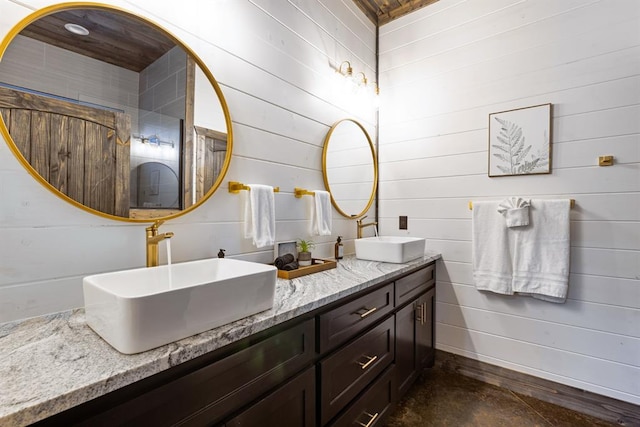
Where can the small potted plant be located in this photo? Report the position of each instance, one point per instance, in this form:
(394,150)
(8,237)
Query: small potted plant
(304,252)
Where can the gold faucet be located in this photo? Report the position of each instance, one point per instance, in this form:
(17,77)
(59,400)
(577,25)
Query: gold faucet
(361,225)
(153,238)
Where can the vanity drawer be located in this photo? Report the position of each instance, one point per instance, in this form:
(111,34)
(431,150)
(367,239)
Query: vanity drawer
(293,404)
(204,396)
(408,287)
(374,406)
(346,321)
(347,372)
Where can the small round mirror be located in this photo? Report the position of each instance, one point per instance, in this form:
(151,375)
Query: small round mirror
(350,168)
(105,108)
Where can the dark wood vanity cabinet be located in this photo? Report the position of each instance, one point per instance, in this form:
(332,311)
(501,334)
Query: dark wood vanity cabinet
(345,364)
(376,361)
(206,390)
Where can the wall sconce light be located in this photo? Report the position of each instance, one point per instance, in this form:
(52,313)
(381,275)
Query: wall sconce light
(358,84)
(348,72)
(360,81)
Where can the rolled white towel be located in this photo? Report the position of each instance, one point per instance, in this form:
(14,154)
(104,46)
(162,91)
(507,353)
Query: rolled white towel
(515,211)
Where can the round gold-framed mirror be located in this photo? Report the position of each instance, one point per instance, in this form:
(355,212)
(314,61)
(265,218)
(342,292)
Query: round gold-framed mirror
(89,92)
(350,168)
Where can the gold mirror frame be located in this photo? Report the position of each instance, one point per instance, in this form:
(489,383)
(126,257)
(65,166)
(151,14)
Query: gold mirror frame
(101,6)
(325,176)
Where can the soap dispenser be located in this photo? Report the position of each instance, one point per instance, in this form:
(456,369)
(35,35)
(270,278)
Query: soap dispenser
(339,248)
(221,253)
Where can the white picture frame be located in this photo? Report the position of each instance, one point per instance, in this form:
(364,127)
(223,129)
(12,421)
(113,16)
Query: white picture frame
(520,141)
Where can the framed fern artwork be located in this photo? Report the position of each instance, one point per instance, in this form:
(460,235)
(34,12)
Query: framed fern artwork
(520,141)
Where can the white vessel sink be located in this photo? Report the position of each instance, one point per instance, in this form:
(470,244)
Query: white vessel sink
(137,310)
(394,249)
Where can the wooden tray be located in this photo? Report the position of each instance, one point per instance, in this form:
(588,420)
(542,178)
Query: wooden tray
(317,264)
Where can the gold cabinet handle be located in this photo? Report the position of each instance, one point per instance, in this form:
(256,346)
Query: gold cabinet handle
(371,421)
(420,313)
(367,312)
(368,362)
(424,313)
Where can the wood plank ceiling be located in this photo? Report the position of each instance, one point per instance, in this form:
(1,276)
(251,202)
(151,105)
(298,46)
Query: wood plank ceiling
(128,42)
(117,38)
(382,11)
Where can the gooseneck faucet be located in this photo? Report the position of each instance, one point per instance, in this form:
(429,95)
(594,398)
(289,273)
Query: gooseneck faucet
(361,225)
(153,238)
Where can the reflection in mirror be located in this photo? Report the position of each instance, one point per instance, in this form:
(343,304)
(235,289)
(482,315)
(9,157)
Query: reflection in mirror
(350,168)
(155,185)
(89,114)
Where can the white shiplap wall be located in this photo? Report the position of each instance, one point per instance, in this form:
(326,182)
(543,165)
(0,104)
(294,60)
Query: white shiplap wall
(443,69)
(275,63)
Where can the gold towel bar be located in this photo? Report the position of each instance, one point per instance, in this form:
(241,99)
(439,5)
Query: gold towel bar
(572,203)
(299,192)
(235,187)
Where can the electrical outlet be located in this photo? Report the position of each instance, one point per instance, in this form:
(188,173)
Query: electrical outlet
(403,222)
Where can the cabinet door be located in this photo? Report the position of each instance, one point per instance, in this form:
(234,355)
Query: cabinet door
(291,405)
(406,367)
(425,330)
(414,340)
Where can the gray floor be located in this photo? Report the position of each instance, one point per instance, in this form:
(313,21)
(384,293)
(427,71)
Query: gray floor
(449,399)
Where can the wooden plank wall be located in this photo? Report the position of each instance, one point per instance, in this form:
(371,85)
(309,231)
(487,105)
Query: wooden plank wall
(443,69)
(275,62)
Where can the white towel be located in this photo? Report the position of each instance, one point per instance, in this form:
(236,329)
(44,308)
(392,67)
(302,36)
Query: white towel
(491,253)
(515,211)
(260,215)
(541,251)
(321,214)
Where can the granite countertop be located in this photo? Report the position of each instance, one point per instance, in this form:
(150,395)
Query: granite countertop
(51,363)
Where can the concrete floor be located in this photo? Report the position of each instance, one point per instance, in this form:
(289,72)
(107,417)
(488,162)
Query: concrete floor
(449,399)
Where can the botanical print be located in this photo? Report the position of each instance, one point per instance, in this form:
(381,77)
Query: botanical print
(519,141)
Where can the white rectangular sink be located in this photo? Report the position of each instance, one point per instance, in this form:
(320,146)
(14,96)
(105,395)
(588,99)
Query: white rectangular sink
(395,249)
(140,309)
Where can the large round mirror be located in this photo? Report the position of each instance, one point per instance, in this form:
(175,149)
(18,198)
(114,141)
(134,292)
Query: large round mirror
(349,168)
(101,106)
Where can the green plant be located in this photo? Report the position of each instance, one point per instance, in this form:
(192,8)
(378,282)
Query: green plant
(305,245)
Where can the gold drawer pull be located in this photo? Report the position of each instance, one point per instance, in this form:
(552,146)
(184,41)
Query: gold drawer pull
(367,312)
(368,362)
(373,418)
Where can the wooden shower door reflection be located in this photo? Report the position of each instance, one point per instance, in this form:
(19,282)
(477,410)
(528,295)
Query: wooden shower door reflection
(82,152)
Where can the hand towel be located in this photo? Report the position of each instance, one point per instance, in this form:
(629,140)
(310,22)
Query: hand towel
(541,252)
(260,215)
(491,253)
(283,260)
(515,211)
(321,214)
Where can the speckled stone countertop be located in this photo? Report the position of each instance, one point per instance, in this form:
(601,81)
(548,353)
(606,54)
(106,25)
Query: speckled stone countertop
(51,363)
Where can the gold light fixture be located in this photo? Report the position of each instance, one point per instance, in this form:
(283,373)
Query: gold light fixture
(348,72)
(359,83)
